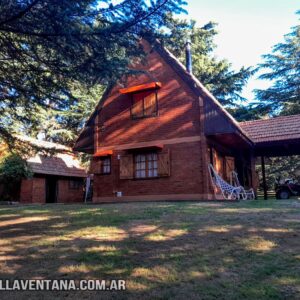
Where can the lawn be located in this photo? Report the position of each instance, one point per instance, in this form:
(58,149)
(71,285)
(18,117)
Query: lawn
(181,250)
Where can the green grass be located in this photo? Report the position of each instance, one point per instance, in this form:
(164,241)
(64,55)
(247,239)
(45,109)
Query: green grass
(164,250)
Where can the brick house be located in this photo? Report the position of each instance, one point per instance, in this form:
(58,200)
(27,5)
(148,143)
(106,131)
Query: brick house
(57,178)
(153,138)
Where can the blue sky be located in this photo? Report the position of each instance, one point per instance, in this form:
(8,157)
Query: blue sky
(247,29)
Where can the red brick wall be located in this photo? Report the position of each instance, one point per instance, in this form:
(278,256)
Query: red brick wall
(67,195)
(186,176)
(33,190)
(26,191)
(38,190)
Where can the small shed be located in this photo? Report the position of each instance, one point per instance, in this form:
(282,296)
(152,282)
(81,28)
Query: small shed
(58,178)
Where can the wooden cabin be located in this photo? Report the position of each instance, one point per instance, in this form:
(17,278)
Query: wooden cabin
(153,138)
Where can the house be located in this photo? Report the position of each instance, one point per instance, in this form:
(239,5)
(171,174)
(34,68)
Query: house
(57,178)
(153,137)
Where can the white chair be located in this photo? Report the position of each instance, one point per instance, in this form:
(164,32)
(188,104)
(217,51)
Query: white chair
(228,191)
(246,194)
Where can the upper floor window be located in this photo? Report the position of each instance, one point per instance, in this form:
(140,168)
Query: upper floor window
(144,104)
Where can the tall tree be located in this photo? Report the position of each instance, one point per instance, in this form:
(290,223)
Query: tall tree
(216,74)
(282,68)
(48,46)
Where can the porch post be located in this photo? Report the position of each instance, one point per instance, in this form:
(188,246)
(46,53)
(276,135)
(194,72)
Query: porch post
(263,169)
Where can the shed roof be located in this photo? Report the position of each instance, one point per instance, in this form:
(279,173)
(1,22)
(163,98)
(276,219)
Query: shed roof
(62,163)
(273,129)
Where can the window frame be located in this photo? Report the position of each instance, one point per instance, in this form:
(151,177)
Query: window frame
(102,159)
(146,154)
(143,116)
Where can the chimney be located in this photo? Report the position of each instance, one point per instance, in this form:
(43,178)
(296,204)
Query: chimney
(188,56)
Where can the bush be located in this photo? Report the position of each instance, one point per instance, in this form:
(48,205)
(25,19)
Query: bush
(12,169)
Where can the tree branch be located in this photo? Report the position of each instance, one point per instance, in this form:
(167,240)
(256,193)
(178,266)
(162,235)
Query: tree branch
(20,14)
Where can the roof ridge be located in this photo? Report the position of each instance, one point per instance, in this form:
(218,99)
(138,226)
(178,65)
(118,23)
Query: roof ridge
(43,143)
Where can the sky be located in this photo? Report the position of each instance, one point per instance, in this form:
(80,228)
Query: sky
(247,29)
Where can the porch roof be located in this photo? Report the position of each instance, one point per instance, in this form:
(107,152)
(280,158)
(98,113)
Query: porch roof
(275,136)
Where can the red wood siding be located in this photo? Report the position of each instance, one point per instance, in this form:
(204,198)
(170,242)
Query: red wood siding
(178,110)
(180,115)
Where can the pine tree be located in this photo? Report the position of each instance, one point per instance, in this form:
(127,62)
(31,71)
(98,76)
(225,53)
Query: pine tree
(282,67)
(216,74)
(47,47)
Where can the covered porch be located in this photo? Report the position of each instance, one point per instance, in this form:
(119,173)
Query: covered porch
(275,137)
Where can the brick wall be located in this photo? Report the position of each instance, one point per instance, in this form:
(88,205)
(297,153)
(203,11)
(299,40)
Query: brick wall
(68,195)
(38,190)
(186,177)
(33,190)
(26,191)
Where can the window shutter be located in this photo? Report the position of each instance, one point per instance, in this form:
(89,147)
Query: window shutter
(164,164)
(126,167)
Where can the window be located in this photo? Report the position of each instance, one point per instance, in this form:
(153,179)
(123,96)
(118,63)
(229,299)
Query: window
(105,165)
(144,104)
(75,184)
(146,165)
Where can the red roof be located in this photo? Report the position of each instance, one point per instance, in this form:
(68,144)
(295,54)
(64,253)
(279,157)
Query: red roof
(61,163)
(273,129)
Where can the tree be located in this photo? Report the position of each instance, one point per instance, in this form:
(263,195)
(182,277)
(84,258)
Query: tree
(48,47)
(282,68)
(217,75)
(13,168)
(63,126)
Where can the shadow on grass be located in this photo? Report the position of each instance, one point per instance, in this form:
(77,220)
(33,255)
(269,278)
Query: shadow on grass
(247,250)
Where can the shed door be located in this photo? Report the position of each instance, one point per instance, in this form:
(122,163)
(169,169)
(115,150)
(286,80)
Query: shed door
(51,190)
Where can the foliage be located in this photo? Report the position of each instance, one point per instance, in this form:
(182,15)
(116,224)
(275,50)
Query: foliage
(216,74)
(63,126)
(248,112)
(282,67)
(49,48)
(280,168)
(13,168)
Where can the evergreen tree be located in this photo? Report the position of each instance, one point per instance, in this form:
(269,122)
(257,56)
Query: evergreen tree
(216,74)
(47,47)
(282,67)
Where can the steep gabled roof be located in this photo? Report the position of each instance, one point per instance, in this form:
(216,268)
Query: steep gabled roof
(197,87)
(85,140)
(273,129)
(213,108)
